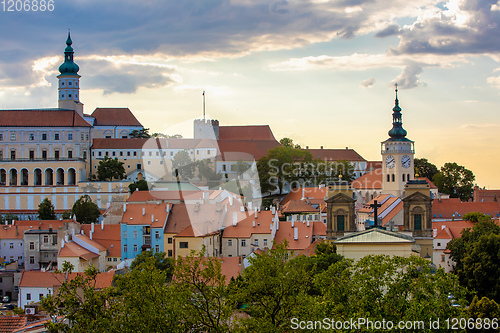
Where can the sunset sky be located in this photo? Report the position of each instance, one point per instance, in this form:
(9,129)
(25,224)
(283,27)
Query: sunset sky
(320,72)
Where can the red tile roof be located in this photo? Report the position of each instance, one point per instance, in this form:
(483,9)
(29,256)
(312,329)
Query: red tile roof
(250,132)
(41,118)
(118,143)
(445,208)
(372,181)
(336,154)
(298,206)
(311,193)
(372,165)
(311,249)
(230,267)
(109,237)
(431,184)
(305,234)
(134,214)
(245,228)
(71,249)
(50,279)
(114,117)
(178,219)
(11,323)
(255,148)
(12,232)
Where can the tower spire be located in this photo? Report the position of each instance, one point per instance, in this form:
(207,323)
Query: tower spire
(397,132)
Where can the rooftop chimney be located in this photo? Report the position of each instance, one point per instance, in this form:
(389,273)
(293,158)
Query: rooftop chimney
(250,206)
(307,223)
(102,224)
(293,223)
(124,207)
(273,210)
(253,224)
(152,218)
(321,147)
(92,227)
(296,233)
(235,219)
(143,211)
(255,213)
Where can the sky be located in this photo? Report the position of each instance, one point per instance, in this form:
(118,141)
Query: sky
(320,72)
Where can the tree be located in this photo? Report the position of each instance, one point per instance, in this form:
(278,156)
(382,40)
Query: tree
(455,180)
(8,217)
(161,261)
(66,215)
(85,210)
(276,290)
(474,254)
(207,172)
(424,168)
(109,169)
(287,142)
(184,164)
(140,185)
(484,309)
(388,288)
(46,210)
(476,217)
(282,167)
(241,167)
(140,134)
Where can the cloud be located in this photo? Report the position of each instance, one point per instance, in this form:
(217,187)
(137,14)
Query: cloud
(368,83)
(463,27)
(410,77)
(390,30)
(494,81)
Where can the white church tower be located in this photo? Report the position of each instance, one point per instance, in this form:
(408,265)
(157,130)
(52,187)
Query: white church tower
(69,81)
(397,156)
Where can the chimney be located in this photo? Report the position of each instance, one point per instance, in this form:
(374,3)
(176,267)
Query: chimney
(303,193)
(235,219)
(293,223)
(167,207)
(102,224)
(308,223)
(124,207)
(256,213)
(250,206)
(73,231)
(273,210)
(66,238)
(307,147)
(152,218)
(242,209)
(92,227)
(62,243)
(91,235)
(270,226)
(277,224)
(296,233)
(143,211)
(230,200)
(253,224)
(321,147)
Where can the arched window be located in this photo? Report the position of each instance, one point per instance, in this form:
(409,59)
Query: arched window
(393,178)
(388,178)
(404,177)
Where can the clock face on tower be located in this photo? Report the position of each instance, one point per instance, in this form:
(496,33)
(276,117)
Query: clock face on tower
(390,162)
(406,161)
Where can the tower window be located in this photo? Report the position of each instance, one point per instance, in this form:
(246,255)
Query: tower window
(70,83)
(408,177)
(393,178)
(340,222)
(69,95)
(62,83)
(388,178)
(403,177)
(417,218)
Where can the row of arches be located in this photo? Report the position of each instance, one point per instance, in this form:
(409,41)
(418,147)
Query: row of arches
(40,178)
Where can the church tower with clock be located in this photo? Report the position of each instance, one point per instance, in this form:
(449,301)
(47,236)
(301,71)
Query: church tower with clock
(397,156)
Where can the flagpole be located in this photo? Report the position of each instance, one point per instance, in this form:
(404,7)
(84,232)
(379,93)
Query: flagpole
(203,104)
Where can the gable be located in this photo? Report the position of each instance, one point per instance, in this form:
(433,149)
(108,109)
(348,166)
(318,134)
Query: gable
(340,198)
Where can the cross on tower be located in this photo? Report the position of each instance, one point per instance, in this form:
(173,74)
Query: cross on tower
(375,207)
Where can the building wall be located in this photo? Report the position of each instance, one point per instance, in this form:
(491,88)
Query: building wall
(12,250)
(357,251)
(40,248)
(113,132)
(193,243)
(29,295)
(236,249)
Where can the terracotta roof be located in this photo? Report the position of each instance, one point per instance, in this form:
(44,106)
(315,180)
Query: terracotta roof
(145,196)
(11,232)
(11,323)
(311,193)
(298,206)
(393,213)
(335,154)
(230,267)
(109,237)
(178,219)
(41,118)
(256,148)
(371,180)
(286,231)
(91,242)
(250,132)
(245,228)
(71,249)
(372,165)
(445,208)
(118,143)
(452,224)
(444,234)
(431,184)
(187,232)
(311,249)
(484,195)
(134,214)
(115,117)
(50,279)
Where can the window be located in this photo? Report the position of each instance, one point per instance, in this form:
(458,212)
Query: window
(135,153)
(56,154)
(183,245)
(121,153)
(265,241)
(40,296)
(256,242)
(70,83)
(108,136)
(442,258)
(12,136)
(99,153)
(70,154)
(340,222)
(139,166)
(12,154)
(135,247)
(84,155)
(125,234)
(28,297)
(32,245)
(32,260)
(417,218)
(86,137)
(109,259)
(70,136)
(229,242)
(169,240)
(157,234)
(114,259)
(393,178)
(107,153)
(128,153)
(224,167)
(32,154)
(1,136)
(135,234)
(114,153)
(208,152)
(32,136)
(11,245)
(243,243)
(54,239)
(45,238)
(171,153)
(169,253)
(438,244)
(44,136)
(56,136)
(404,177)
(125,248)
(44,154)
(157,248)
(81,136)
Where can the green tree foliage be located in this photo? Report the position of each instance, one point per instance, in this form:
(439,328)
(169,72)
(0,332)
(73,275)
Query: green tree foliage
(276,290)
(85,210)
(388,288)
(184,164)
(140,134)
(455,180)
(46,210)
(282,166)
(161,261)
(476,217)
(8,217)
(477,263)
(484,308)
(424,168)
(109,169)
(287,142)
(241,167)
(66,215)
(140,185)
(206,171)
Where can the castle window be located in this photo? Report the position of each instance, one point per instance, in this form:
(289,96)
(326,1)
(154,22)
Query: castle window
(44,136)
(56,136)
(70,136)
(417,219)
(70,154)
(32,136)
(12,136)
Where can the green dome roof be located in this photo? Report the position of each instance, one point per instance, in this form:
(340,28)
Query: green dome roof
(69,67)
